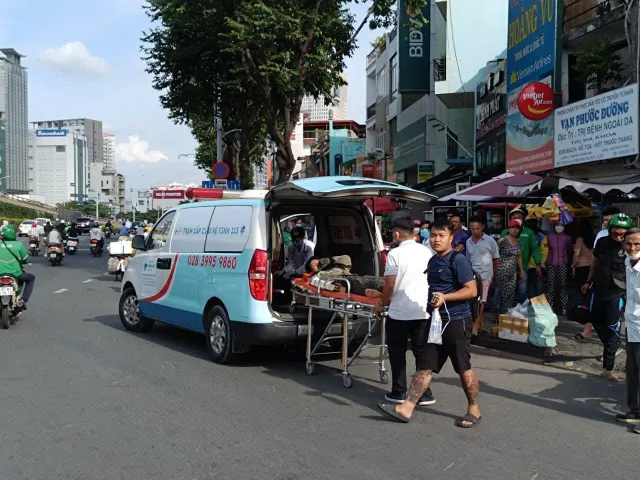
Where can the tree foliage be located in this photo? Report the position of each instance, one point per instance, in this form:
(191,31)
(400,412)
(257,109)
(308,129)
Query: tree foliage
(598,65)
(104,211)
(253,61)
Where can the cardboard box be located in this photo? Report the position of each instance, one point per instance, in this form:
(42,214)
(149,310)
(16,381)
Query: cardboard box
(512,328)
(120,248)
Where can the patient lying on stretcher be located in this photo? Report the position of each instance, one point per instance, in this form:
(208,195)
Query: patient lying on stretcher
(340,267)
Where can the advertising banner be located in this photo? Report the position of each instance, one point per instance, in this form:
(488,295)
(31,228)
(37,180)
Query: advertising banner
(491,115)
(598,128)
(409,145)
(414,50)
(425,171)
(530,58)
(52,133)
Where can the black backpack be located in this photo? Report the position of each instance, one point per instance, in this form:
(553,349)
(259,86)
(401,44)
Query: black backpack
(476,302)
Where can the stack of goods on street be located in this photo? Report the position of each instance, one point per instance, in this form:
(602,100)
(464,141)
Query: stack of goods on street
(531,322)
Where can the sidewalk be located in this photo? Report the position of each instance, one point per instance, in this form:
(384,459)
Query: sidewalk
(578,355)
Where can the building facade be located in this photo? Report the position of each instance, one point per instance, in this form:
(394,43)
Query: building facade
(109,150)
(144,200)
(58,168)
(109,185)
(92,129)
(316,110)
(14,123)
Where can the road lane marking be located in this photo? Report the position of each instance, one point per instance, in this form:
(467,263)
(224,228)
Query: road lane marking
(61,290)
(88,281)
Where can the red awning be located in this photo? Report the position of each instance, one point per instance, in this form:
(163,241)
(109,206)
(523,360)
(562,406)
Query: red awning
(382,205)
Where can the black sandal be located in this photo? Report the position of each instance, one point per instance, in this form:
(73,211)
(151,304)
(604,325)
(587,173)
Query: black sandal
(390,410)
(471,418)
(630,417)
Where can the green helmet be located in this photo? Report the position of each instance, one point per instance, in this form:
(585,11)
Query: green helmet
(8,232)
(620,220)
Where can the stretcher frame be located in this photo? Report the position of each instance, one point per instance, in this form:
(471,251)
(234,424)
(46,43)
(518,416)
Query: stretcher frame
(342,309)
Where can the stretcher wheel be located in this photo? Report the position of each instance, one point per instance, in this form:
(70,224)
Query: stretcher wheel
(384,377)
(311,368)
(292,308)
(347,381)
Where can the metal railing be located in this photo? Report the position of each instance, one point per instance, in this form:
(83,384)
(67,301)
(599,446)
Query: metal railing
(439,69)
(579,12)
(371,111)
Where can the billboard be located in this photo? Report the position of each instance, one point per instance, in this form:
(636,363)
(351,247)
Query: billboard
(491,115)
(52,133)
(598,128)
(163,199)
(409,145)
(531,57)
(414,49)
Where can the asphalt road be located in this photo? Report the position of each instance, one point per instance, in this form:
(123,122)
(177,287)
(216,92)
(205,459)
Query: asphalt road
(81,398)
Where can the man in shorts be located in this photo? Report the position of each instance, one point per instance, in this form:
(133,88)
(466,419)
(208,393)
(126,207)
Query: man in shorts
(452,285)
(482,252)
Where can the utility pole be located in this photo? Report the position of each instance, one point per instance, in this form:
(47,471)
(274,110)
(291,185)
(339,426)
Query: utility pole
(219,135)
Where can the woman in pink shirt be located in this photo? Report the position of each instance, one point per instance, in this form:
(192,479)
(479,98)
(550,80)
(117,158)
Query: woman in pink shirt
(558,261)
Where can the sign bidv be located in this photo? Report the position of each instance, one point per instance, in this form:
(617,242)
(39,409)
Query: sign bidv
(414,49)
(51,133)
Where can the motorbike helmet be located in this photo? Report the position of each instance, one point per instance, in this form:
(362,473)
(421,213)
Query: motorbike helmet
(8,233)
(620,220)
(297,232)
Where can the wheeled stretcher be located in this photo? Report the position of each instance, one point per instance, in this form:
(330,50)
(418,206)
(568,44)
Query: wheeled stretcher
(352,316)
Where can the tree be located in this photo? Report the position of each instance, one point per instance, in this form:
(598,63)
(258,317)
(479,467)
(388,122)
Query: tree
(598,65)
(188,66)
(263,56)
(86,208)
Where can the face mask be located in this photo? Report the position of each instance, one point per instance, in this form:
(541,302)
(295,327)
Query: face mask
(635,256)
(424,233)
(559,228)
(297,245)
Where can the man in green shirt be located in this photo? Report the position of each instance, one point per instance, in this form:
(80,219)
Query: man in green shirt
(529,248)
(12,256)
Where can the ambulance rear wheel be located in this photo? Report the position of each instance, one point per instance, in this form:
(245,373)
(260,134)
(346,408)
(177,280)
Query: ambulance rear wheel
(219,335)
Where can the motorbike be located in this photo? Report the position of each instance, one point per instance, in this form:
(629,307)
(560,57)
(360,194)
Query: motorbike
(107,233)
(56,253)
(34,246)
(123,260)
(71,245)
(96,249)
(10,300)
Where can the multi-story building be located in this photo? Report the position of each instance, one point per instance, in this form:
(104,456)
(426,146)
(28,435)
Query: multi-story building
(316,110)
(144,200)
(57,165)
(14,123)
(420,104)
(92,129)
(260,177)
(109,150)
(110,186)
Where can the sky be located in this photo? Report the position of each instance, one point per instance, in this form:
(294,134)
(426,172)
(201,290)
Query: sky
(83,60)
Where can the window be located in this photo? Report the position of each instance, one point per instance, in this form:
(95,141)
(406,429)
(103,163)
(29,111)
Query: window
(161,233)
(452,144)
(229,229)
(393,77)
(61,149)
(381,138)
(382,83)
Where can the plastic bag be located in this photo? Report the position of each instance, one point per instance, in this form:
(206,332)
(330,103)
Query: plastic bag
(542,323)
(565,217)
(435,330)
(520,311)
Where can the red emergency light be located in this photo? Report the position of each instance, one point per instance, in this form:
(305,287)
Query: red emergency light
(204,193)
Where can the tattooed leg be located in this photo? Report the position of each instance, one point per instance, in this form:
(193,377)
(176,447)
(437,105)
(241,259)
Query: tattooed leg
(471,388)
(419,385)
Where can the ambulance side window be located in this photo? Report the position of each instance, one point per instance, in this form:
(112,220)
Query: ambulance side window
(161,233)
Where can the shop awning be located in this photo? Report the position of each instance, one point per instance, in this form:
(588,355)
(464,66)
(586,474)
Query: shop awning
(382,205)
(502,186)
(624,184)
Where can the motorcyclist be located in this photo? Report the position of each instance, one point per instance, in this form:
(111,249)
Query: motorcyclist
(55,237)
(124,231)
(96,234)
(72,231)
(108,227)
(12,256)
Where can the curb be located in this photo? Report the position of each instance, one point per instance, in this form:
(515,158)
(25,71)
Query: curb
(492,352)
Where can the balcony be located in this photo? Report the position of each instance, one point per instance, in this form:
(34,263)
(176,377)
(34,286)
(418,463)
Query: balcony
(372,57)
(582,17)
(371,111)
(439,69)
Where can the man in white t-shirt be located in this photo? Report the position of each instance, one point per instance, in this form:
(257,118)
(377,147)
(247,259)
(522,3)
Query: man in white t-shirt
(632,322)
(406,293)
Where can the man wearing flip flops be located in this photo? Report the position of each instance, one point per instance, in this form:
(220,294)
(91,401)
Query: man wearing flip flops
(632,322)
(452,285)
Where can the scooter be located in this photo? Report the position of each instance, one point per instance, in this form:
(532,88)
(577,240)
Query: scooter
(56,253)
(96,249)
(71,245)
(34,246)
(122,267)
(11,303)
(107,233)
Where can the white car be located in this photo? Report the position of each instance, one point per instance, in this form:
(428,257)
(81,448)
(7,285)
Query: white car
(25,228)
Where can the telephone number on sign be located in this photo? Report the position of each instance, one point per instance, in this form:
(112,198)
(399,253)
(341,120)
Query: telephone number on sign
(212,261)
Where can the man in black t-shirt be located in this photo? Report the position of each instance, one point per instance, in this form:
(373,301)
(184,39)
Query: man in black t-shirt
(607,281)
